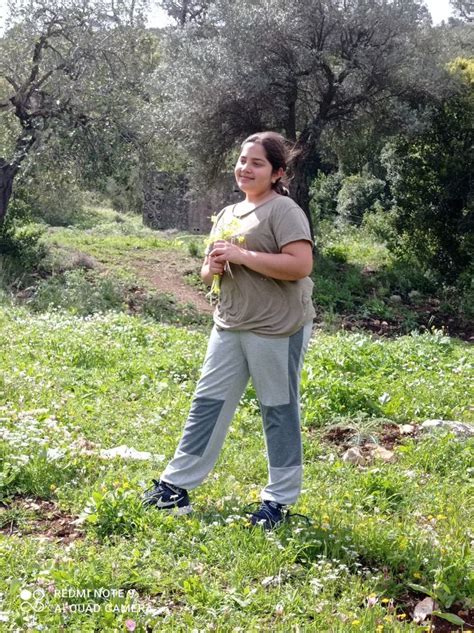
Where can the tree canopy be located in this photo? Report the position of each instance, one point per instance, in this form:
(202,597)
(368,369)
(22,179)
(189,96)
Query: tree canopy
(299,67)
(76,71)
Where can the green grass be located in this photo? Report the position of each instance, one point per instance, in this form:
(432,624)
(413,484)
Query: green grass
(115,239)
(71,383)
(95,359)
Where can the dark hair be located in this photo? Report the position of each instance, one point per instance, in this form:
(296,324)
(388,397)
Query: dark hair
(279,154)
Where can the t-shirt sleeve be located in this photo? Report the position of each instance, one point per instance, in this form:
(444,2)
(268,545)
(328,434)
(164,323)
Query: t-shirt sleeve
(290,224)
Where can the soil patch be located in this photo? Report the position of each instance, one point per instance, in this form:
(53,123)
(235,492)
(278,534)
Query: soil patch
(388,436)
(27,516)
(167,273)
(407,602)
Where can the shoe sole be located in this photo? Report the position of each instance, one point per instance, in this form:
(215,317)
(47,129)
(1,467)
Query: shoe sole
(182,511)
(174,510)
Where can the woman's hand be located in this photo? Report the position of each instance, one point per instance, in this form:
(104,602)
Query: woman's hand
(210,268)
(215,267)
(223,252)
(295,260)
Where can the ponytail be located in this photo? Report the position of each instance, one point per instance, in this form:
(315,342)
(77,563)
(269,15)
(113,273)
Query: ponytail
(281,188)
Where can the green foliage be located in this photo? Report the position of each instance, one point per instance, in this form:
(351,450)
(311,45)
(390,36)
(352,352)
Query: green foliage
(323,195)
(429,176)
(79,292)
(22,247)
(117,511)
(380,223)
(94,111)
(163,307)
(112,379)
(359,194)
(125,190)
(34,455)
(54,195)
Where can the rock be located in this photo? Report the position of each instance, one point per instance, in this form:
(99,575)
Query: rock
(354,456)
(460,429)
(396,299)
(423,610)
(379,452)
(406,429)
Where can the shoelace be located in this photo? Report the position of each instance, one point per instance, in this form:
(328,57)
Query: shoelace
(157,484)
(288,516)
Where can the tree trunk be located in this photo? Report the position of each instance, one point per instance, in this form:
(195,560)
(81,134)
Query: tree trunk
(305,168)
(8,170)
(7,175)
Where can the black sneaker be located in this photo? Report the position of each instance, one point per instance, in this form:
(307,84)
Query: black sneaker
(269,515)
(165,496)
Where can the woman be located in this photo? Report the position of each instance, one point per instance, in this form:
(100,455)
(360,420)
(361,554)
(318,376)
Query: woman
(263,323)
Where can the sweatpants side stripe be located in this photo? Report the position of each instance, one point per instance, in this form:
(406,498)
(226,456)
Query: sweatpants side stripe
(200,425)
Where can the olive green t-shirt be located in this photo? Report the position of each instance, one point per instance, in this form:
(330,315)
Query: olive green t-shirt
(250,300)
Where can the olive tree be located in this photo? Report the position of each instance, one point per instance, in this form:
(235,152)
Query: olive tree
(297,66)
(74,71)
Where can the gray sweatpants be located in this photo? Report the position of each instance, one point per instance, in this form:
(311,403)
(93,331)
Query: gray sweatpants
(274,364)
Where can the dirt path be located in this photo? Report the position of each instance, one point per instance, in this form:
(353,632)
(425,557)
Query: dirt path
(168,275)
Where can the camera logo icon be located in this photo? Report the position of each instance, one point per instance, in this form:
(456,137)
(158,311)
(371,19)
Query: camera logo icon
(32,600)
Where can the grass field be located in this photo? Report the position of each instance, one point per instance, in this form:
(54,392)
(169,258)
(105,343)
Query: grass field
(72,386)
(79,553)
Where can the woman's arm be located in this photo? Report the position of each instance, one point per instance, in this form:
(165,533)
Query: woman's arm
(294,262)
(210,268)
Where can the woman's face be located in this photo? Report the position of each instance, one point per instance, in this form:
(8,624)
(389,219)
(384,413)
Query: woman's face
(253,171)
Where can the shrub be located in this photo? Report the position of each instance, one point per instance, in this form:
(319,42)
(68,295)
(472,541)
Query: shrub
(21,245)
(163,307)
(323,195)
(380,223)
(357,195)
(79,292)
(58,204)
(117,511)
(430,180)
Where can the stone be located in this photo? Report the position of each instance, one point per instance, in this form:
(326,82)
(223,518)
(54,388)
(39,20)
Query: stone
(423,610)
(354,456)
(406,429)
(395,299)
(460,429)
(379,452)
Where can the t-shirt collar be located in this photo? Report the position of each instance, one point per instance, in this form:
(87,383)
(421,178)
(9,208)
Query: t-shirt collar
(240,214)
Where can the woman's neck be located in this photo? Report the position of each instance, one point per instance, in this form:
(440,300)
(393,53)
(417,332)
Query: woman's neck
(259,199)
